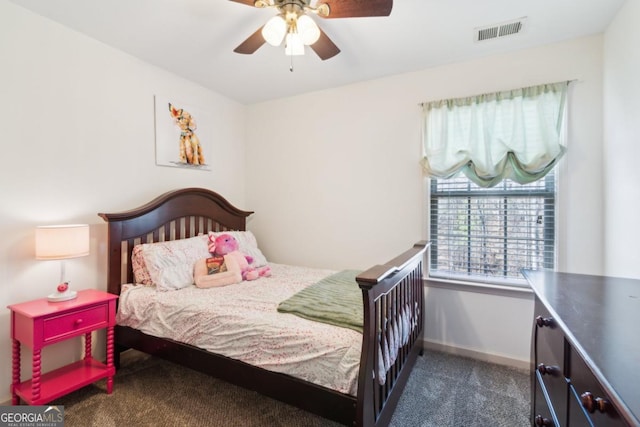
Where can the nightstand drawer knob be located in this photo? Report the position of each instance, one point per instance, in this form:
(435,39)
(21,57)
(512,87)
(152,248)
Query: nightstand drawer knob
(591,404)
(542,421)
(78,322)
(544,321)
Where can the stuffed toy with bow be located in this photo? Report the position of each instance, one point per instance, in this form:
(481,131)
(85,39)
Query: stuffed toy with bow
(225,245)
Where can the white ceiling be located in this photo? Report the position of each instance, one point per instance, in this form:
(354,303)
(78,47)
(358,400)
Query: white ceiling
(195,38)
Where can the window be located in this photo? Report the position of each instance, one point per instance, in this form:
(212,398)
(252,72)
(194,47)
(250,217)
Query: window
(489,234)
(491,160)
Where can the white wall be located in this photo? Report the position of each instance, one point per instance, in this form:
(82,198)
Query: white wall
(622,142)
(334,179)
(77,138)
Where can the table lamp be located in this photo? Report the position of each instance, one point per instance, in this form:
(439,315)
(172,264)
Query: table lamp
(61,242)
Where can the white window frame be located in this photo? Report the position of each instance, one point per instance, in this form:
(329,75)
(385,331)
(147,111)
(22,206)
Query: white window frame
(496,282)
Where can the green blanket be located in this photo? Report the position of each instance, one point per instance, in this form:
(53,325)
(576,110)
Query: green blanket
(336,300)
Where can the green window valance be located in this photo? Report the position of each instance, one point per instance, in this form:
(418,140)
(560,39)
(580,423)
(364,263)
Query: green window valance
(516,134)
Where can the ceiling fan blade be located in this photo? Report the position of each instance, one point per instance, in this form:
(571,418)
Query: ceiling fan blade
(357,8)
(247,2)
(252,43)
(324,47)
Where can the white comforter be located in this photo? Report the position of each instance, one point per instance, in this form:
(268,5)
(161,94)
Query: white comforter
(241,321)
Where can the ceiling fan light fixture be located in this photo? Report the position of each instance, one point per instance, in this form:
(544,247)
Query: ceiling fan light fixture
(308,30)
(293,45)
(263,3)
(274,30)
(323,10)
(295,26)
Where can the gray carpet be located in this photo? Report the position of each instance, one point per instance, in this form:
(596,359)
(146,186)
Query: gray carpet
(443,391)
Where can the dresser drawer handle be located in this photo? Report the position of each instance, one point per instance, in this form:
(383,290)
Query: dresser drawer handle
(548,369)
(591,404)
(78,322)
(542,421)
(544,321)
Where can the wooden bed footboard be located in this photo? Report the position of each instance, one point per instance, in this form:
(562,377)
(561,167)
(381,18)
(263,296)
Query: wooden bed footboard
(393,297)
(393,313)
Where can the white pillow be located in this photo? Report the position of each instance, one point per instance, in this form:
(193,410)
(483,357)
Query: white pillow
(170,264)
(248,245)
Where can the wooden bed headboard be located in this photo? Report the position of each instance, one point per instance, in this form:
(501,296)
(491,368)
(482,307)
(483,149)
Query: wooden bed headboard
(178,214)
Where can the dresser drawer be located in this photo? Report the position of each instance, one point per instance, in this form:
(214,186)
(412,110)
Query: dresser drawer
(549,360)
(588,403)
(549,339)
(543,411)
(65,325)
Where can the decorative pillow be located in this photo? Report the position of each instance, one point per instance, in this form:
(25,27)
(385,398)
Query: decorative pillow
(168,265)
(140,272)
(205,277)
(248,245)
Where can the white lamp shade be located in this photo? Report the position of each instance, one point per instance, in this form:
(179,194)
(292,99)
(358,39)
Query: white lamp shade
(62,241)
(274,30)
(293,45)
(308,30)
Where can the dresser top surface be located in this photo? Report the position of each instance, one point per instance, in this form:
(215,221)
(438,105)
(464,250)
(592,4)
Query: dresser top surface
(600,317)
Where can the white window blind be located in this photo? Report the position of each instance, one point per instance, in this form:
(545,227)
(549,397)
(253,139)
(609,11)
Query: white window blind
(490,234)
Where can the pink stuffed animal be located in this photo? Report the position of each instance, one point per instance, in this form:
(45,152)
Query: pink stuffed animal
(227,246)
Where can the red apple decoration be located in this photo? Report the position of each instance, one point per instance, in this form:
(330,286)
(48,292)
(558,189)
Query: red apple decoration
(62,287)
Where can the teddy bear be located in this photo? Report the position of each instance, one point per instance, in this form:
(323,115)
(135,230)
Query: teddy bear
(225,245)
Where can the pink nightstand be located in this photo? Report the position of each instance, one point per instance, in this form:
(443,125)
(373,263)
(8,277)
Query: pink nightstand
(39,323)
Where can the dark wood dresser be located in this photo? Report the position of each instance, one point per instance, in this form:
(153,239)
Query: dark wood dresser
(586,350)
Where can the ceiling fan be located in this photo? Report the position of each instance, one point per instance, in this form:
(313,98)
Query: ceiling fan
(294,25)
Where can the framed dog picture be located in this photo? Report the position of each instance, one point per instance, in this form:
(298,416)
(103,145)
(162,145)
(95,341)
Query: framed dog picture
(184,134)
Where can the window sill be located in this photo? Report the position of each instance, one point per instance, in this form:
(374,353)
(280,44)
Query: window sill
(483,288)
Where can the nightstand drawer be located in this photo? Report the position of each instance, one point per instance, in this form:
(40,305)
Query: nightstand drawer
(59,327)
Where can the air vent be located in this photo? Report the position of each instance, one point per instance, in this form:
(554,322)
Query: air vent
(499,30)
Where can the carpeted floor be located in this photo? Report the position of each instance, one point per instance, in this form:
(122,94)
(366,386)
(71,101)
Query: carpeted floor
(443,391)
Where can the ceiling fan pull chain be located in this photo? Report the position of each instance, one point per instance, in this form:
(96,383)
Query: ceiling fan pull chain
(291,65)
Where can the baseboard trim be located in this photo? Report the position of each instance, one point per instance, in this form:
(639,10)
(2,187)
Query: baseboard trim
(478,355)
